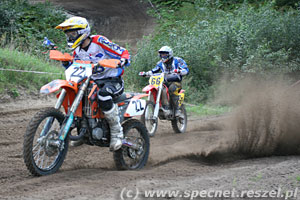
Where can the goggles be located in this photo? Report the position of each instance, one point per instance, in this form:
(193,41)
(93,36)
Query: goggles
(164,56)
(72,35)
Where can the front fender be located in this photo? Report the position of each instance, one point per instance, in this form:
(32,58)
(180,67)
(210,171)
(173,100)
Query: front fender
(55,85)
(149,88)
(139,96)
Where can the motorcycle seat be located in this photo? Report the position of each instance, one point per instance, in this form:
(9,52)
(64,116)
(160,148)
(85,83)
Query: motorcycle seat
(122,97)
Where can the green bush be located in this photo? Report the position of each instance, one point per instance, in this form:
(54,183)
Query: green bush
(224,4)
(215,42)
(25,25)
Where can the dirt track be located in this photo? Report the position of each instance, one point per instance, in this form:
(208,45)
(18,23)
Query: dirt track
(200,159)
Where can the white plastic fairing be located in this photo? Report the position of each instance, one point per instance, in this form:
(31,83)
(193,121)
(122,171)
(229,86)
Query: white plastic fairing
(136,107)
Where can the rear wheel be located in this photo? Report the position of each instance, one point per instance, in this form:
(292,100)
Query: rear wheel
(179,124)
(41,153)
(148,119)
(129,158)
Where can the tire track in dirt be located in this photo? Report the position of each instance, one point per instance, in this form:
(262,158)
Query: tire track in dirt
(204,157)
(83,163)
(20,112)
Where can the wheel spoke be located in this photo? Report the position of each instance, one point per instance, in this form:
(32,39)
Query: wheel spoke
(54,159)
(37,153)
(35,146)
(40,157)
(47,160)
(42,160)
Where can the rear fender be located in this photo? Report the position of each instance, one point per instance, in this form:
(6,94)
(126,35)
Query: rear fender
(136,107)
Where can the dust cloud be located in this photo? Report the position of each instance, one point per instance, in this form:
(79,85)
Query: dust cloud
(264,121)
(267,119)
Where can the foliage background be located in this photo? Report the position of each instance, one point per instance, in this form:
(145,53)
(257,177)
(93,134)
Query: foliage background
(223,38)
(217,38)
(24,25)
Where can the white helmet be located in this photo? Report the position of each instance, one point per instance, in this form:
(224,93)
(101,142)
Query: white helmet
(80,29)
(165,50)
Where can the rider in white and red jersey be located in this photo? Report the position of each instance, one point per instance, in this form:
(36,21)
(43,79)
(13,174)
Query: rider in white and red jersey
(110,83)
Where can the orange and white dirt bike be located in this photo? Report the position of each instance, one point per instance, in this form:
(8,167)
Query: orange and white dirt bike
(157,99)
(48,134)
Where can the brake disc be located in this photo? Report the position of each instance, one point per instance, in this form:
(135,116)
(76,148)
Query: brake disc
(51,150)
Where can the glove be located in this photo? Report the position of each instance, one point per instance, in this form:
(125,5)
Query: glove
(177,71)
(142,74)
(98,69)
(124,61)
(65,64)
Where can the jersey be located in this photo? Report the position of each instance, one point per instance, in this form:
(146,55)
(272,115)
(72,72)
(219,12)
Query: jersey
(177,63)
(101,48)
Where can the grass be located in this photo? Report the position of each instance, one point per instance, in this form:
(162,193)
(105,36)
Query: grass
(12,82)
(207,110)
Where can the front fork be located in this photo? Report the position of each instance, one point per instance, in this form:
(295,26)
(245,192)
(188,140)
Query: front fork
(156,109)
(50,120)
(65,129)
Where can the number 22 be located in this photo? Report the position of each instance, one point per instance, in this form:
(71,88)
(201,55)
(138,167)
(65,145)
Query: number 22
(138,105)
(76,73)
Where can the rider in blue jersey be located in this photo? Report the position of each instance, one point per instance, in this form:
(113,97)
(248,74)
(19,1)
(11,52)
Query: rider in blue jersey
(175,68)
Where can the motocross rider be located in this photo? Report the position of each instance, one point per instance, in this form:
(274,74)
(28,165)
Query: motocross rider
(175,68)
(95,48)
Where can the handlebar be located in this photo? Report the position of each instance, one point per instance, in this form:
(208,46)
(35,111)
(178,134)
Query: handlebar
(158,74)
(109,63)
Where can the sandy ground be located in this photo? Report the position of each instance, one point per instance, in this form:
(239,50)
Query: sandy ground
(200,159)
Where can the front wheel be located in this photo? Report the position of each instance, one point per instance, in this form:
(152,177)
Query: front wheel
(128,158)
(41,153)
(148,118)
(179,124)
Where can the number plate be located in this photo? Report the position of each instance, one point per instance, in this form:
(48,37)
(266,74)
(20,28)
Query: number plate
(78,71)
(136,107)
(156,80)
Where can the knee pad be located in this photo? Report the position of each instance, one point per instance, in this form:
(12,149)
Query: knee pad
(104,100)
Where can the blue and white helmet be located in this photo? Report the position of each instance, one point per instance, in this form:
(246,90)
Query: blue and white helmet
(165,50)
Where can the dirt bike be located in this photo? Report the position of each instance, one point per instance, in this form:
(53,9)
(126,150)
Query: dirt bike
(154,106)
(48,134)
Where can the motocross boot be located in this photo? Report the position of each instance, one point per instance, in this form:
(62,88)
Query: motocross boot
(174,89)
(116,130)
